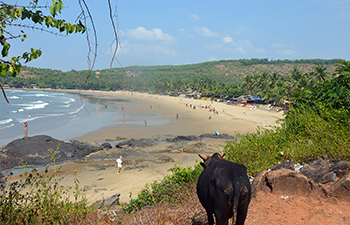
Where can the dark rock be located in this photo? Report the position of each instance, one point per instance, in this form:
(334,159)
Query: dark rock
(106,145)
(83,148)
(285,165)
(221,136)
(122,144)
(109,203)
(328,177)
(183,138)
(34,151)
(341,169)
(143,142)
(315,170)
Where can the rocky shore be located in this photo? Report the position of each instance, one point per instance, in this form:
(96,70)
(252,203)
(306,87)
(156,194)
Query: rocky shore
(34,151)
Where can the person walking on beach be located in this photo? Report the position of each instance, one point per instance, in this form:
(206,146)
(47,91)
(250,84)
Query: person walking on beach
(177,116)
(119,163)
(25,129)
(145,123)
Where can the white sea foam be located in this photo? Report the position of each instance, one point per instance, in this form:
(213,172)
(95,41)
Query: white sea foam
(76,111)
(14,97)
(9,120)
(41,95)
(8,126)
(37,105)
(65,106)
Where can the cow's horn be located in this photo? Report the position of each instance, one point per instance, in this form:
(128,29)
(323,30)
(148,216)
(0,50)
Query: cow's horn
(204,157)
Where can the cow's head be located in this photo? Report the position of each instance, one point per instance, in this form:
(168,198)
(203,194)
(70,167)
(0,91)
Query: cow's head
(208,159)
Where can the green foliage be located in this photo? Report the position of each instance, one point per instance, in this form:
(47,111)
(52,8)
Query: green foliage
(37,198)
(13,15)
(173,188)
(317,125)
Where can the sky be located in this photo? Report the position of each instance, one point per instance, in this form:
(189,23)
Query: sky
(181,32)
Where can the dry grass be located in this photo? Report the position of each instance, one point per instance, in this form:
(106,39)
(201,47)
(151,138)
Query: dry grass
(190,211)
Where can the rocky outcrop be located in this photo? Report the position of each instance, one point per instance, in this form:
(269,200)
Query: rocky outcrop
(183,138)
(106,145)
(35,151)
(187,147)
(141,143)
(319,177)
(110,203)
(221,136)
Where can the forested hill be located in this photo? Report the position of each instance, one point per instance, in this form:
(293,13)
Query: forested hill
(165,78)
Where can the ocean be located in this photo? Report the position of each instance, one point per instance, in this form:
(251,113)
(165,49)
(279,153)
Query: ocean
(60,115)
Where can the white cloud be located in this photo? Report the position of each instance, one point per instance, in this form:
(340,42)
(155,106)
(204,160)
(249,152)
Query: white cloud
(282,49)
(145,50)
(240,47)
(194,16)
(185,33)
(205,32)
(227,39)
(156,34)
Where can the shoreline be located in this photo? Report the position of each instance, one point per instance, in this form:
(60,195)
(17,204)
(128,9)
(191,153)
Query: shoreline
(105,183)
(231,119)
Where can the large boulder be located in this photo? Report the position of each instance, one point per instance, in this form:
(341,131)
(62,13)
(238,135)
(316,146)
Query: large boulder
(34,151)
(84,148)
(143,143)
(106,145)
(315,170)
(289,182)
(110,203)
(318,177)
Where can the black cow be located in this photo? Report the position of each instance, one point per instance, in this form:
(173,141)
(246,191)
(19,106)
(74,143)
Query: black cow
(223,188)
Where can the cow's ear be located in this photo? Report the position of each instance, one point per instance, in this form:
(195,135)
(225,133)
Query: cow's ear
(203,165)
(204,157)
(223,155)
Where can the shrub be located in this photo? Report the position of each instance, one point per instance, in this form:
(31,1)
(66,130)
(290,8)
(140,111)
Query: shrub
(173,188)
(302,136)
(37,198)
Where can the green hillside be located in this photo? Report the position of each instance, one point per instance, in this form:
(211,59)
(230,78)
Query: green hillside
(271,79)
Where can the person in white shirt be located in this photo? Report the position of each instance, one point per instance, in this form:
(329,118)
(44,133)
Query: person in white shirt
(119,164)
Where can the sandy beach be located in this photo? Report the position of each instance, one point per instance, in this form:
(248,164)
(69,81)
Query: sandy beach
(104,183)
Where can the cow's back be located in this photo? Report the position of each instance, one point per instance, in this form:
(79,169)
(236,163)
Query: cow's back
(221,184)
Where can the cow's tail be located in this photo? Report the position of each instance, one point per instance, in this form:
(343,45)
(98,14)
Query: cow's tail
(235,207)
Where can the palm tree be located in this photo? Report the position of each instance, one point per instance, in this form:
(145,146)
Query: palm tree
(248,83)
(320,73)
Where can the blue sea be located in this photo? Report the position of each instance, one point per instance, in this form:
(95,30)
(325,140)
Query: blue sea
(60,115)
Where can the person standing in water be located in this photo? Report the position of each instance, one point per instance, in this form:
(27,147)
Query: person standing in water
(25,129)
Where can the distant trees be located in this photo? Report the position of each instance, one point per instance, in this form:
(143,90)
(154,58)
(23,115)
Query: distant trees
(273,87)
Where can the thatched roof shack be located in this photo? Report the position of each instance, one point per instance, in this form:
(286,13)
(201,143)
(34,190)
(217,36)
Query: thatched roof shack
(246,99)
